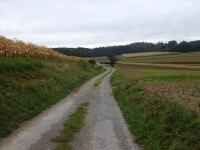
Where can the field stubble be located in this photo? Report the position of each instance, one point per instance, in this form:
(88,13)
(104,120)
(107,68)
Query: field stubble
(160,121)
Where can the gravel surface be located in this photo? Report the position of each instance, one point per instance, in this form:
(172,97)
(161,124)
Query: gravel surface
(105,128)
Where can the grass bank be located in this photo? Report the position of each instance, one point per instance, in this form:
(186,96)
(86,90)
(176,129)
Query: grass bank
(29,86)
(157,122)
(72,125)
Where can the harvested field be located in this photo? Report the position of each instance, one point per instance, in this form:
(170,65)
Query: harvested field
(163,66)
(178,85)
(155,116)
(174,58)
(147,54)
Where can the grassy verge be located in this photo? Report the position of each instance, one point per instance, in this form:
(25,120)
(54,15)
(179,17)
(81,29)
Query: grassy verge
(156,122)
(29,86)
(71,126)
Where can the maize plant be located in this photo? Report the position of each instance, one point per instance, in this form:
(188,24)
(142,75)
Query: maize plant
(17,48)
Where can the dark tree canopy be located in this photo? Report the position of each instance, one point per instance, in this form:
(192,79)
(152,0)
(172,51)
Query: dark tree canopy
(113,60)
(172,46)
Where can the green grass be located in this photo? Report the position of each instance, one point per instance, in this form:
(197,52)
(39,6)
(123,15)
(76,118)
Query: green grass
(160,74)
(29,86)
(19,65)
(156,122)
(72,125)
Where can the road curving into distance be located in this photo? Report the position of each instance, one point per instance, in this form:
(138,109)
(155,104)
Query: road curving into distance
(105,128)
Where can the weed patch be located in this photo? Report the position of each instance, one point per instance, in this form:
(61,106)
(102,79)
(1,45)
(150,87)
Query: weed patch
(72,125)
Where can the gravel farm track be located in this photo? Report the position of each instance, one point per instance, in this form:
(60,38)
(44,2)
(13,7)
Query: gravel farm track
(105,128)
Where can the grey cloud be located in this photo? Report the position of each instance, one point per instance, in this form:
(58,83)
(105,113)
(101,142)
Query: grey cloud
(99,22)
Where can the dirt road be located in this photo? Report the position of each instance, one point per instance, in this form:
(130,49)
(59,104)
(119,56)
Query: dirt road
(104,129)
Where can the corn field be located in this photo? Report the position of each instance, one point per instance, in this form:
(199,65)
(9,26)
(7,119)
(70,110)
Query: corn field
(17,48)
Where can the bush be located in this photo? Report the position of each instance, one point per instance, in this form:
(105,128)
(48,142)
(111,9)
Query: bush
(92,61)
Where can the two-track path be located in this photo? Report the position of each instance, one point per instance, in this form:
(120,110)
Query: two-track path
(105,128)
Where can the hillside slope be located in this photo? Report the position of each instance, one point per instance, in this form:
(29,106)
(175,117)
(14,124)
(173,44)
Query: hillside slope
(29,84)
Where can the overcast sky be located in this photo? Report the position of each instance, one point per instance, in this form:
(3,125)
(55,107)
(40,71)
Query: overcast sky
(91,23)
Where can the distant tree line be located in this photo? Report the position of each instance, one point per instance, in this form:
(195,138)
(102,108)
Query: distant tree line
(171,46)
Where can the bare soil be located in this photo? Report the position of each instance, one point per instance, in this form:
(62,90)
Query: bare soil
(187,97)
